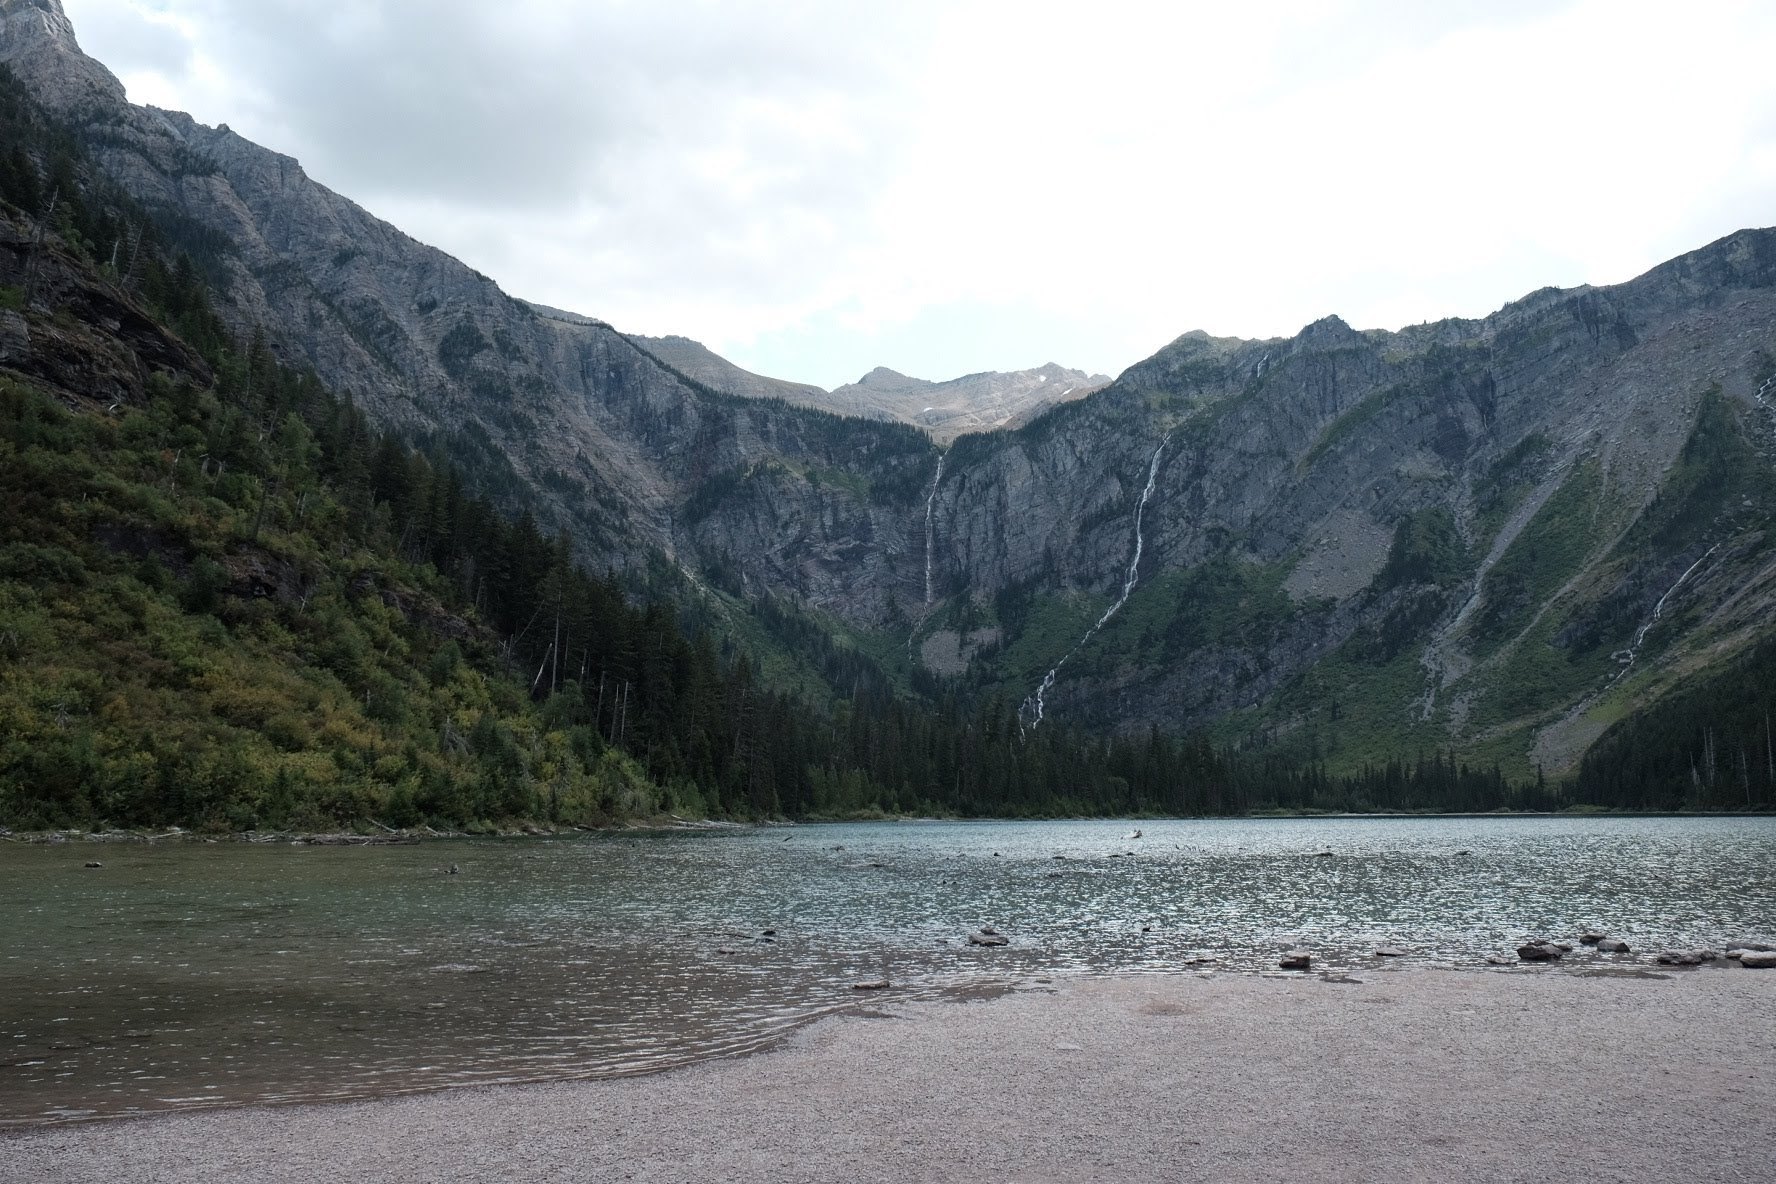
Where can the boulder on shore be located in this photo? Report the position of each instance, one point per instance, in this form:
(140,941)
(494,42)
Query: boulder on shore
(1757,959)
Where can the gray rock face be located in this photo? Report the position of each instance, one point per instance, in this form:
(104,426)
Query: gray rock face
(616,444)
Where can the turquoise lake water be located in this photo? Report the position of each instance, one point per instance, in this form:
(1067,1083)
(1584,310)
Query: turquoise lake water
(184,975)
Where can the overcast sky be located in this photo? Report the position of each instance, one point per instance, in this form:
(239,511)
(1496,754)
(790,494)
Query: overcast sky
(813,189)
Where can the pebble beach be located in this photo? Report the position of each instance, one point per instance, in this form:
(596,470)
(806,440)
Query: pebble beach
(1408,1074)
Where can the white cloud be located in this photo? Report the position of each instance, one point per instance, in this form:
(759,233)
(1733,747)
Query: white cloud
(816,189)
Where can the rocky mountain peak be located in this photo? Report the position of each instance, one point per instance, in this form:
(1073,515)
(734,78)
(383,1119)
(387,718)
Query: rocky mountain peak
(1327,330)
(884,378)
(37,41)
(37,18)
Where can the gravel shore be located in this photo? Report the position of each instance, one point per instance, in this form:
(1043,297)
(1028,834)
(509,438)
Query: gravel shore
(1404,1075)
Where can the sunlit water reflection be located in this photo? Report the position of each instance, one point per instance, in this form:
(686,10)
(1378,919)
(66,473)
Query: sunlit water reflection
(190,975)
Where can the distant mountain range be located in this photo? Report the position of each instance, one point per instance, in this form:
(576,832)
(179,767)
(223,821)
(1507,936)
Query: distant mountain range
(1493,537)
(973,403)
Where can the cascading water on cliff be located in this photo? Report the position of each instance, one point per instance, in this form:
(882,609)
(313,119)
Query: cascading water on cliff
(1626,657)
(931,523)
(1030,713)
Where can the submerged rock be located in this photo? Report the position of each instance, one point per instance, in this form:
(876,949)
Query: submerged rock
(880,984)
(1389,952)
(1682,957)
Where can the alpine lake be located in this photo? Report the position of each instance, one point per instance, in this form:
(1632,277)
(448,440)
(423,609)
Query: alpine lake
(181,975)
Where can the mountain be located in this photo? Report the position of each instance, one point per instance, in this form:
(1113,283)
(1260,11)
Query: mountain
(696,360)
(228,603)
(569,416)
(973,403)
(1497,537)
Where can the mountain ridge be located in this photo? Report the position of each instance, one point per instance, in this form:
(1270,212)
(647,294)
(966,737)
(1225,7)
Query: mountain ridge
(1358,542)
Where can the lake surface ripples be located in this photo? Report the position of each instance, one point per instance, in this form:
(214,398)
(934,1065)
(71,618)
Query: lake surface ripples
(190,975)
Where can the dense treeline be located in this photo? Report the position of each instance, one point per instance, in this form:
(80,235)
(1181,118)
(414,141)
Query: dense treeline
(1709,746)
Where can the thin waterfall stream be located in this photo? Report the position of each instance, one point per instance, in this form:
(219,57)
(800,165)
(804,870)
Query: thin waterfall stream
(1626,657)
(1030,713)
(931,521)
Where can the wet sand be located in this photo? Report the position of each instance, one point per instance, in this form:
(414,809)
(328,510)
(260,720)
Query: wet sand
(1403,1075)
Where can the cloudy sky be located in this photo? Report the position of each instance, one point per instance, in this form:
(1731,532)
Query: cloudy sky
(817,188)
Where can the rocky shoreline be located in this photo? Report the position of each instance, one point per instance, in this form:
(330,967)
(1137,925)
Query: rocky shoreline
(382,837)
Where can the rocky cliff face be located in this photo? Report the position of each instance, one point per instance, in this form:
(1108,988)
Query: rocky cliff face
(1494,534)
(1459,529)
(611,443)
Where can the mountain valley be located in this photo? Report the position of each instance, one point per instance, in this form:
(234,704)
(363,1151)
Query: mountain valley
(1492,540)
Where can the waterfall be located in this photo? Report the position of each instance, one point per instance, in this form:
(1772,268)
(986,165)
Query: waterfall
(931,522)
(1030,713)
(1626,657)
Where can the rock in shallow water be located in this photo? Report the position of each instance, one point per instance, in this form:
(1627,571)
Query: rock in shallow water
(1540,951)
(1612,945)
(1296,960)
(986,937)
(1757,959)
